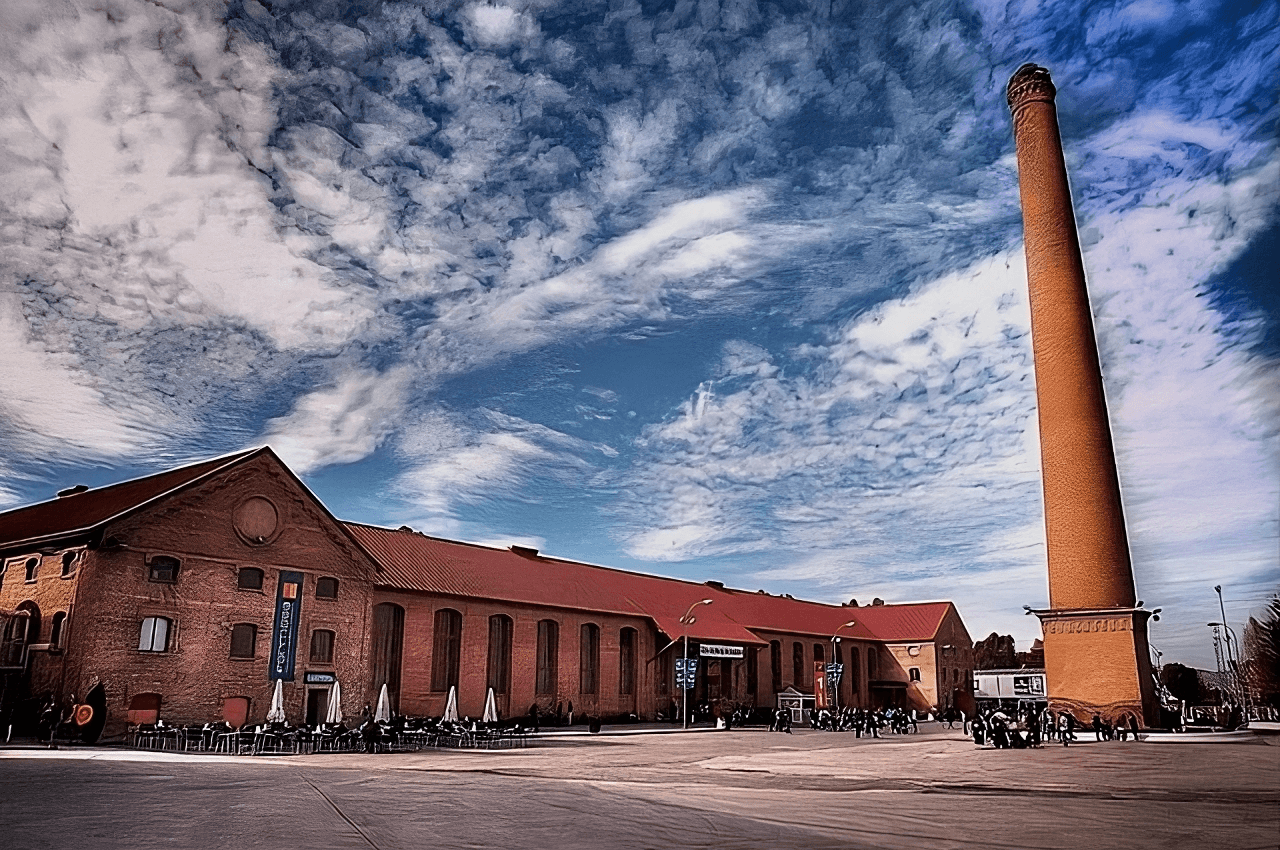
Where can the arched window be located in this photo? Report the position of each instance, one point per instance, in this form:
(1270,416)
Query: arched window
(244,640)
(144,708)
(31,632)
(55,629)
(589,660)
(914,674)
(499,672)
(548,656)
(854,673)
(33,567)
(446,651)
(327,588)
(873,662)
(797,665)
(68,563)
(249,578)
(627,661)
(753,671)
(819,652)
(322,646)
(154,635)
(388,647)
(163,568)
(775,664)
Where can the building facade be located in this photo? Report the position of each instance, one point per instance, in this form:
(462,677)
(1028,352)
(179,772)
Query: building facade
(187,594)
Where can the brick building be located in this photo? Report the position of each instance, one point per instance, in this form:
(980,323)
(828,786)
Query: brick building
(187,593)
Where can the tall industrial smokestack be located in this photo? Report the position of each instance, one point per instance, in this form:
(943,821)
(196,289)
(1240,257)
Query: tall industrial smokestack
(1096,654)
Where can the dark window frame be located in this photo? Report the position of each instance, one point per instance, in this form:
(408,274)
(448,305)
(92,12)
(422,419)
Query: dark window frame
(446,650)
(250,571)
(32,567)
(775,664)
(68,564)
(325,582)
(322,644)
(589,659)
(157,563)
(57,623)
(498,669)
(547,682)
(797,665)
(628,640)
(238,630)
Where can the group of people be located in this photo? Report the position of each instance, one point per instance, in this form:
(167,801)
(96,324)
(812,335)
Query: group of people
(1029,727)
(859,721)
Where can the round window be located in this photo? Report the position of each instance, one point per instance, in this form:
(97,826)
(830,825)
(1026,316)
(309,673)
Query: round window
(256,520)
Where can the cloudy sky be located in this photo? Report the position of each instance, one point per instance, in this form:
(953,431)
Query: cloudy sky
(715,290)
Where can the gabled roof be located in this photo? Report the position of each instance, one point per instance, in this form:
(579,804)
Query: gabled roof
(85,511)
(917,621)
(414,561)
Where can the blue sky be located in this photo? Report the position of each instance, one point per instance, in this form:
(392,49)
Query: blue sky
(716,290)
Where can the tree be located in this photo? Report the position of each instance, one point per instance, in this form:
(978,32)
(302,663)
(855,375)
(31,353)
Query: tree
(995,652)
(1183,682)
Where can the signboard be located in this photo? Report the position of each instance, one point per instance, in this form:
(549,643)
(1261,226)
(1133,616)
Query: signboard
(686,672)
(1026,686)
(821,691)
(711,650)
(835,671)
(284,636)
(318,678)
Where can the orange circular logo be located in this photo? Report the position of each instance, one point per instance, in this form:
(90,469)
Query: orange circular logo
(84,713)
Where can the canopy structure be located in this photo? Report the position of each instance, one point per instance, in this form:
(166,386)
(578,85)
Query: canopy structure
(490,708)
(276,714)
(334,714)
(383,714)
(451,707)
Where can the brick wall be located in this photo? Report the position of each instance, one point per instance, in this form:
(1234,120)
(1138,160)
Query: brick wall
(197,673)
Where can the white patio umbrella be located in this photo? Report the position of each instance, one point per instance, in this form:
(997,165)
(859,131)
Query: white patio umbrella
(451,706)
(490,708)
(334,714)
(276,714)
(383,714)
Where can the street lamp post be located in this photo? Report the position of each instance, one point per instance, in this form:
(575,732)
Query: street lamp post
(686,621)
(835,639)
(1233,667)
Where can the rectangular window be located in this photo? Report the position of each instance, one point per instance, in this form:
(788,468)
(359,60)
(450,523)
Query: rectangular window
(627,661)
(548,657)
(249,578)
(797,665)
(499,672)
(244,639)
(446,651)
(163,568)
(753,671)
(589,660)
(322,646)
(775,664)
(154,636)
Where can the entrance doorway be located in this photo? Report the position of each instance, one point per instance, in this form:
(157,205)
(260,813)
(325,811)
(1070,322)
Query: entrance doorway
(317,705)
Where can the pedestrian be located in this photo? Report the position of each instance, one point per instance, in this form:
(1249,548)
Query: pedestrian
(1064,727)
(570,712)
(1097,726)
(1133,725)
(533,716)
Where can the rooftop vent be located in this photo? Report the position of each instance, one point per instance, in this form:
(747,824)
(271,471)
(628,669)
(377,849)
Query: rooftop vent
(853,603)
(718,585)
(71,491)
(525,551)
(404,528)
(877,601)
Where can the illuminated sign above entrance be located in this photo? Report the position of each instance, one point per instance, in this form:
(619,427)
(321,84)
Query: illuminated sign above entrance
(711,650)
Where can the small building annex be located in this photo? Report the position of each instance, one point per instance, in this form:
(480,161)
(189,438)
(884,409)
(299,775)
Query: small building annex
(186,594)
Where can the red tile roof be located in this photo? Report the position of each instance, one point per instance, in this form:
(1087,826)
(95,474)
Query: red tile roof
(84,511)
(414,561)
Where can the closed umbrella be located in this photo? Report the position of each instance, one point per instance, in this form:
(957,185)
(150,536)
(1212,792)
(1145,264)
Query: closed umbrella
(276,714)
(451,706)
(334,715)
(383,714)
(490,708)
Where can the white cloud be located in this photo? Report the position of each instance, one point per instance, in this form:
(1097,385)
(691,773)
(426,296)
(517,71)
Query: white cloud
(341,423)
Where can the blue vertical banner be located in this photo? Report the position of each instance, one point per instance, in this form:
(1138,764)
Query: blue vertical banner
(284,637)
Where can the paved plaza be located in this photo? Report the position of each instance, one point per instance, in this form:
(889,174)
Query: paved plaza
(741,789)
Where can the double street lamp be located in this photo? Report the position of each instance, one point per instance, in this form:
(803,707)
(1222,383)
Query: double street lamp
(835,640)
(687,620)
